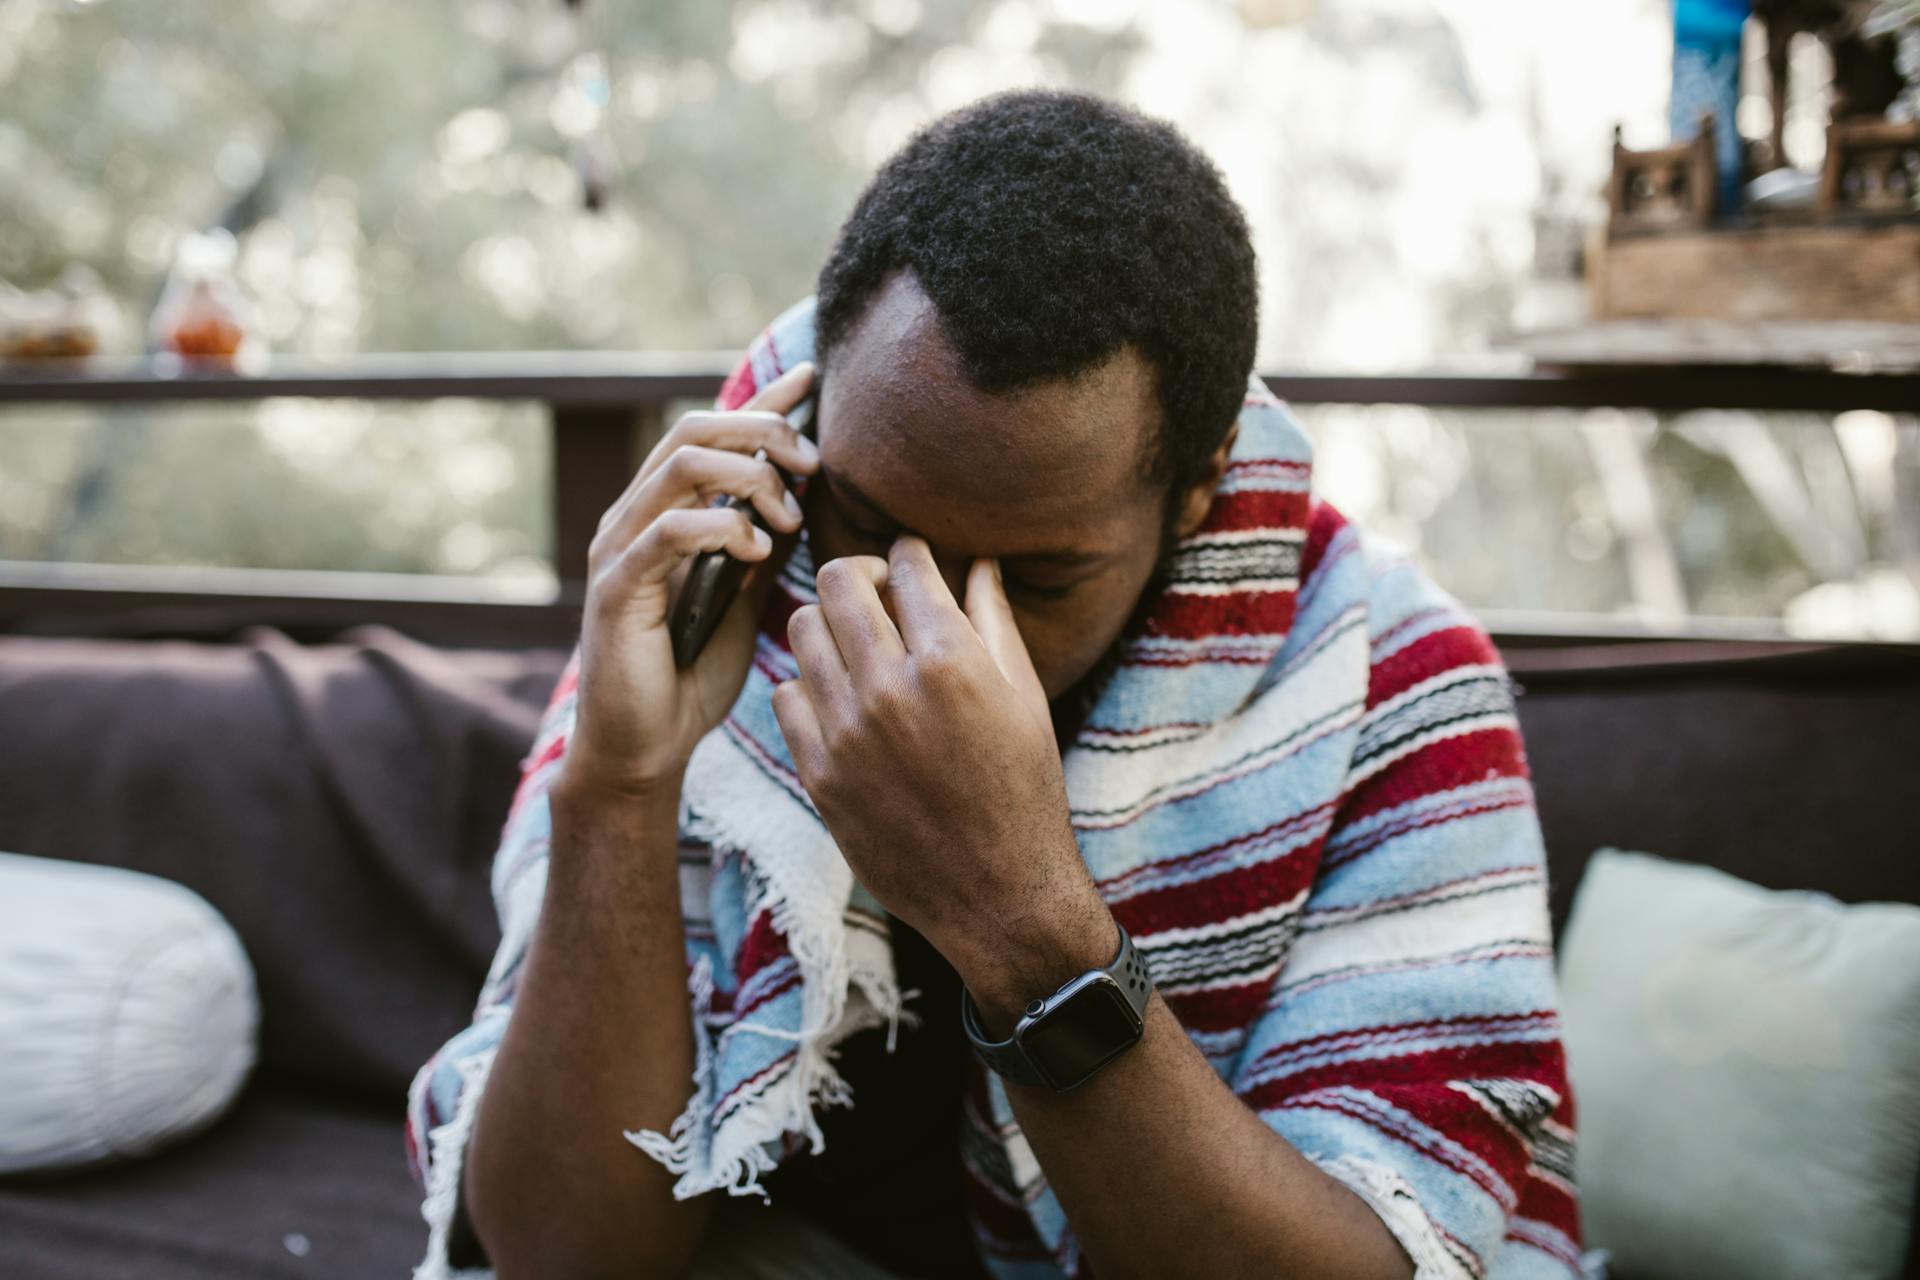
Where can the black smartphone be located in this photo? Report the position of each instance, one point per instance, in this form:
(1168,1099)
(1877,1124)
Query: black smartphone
(714,578)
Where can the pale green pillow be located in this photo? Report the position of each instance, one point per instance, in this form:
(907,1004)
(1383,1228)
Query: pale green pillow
(1746,1073)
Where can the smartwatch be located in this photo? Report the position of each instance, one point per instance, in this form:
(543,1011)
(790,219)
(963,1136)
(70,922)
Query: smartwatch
(1063,1039)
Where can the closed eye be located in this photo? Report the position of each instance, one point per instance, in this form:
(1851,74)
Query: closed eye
(864,534)
(1015,585)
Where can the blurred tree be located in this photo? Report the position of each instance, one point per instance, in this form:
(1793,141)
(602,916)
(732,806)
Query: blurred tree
(1418,174)
(405,177)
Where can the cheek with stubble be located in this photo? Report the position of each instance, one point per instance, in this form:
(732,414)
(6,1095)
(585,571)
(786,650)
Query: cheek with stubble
(1081,639)
(1067,640)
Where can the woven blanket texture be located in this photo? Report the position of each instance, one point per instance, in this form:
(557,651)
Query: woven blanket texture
(1302,791)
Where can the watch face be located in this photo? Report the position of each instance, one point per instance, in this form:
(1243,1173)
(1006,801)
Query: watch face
(1075,1037)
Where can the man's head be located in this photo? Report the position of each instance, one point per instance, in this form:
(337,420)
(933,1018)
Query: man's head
(1034,335)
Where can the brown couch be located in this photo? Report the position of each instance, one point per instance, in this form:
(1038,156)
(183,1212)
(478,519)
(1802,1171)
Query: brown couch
(340,802)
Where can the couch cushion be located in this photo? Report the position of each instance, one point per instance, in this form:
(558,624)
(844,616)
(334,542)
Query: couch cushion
(339,804)
(1745,1058)
(127,1012)
(285,1185)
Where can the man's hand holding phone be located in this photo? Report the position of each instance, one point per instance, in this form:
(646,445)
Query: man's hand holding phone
(550,1186)
(640,715)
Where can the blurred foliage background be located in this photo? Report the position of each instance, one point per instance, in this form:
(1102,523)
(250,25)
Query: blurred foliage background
(528,174)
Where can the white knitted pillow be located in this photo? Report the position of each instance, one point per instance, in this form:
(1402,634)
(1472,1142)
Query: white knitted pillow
(127,1013)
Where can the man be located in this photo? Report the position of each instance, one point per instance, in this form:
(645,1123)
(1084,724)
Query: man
(1056,691)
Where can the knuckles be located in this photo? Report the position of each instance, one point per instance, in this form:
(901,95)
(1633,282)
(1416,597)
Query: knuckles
(785,695)
(685,428)
(601,550)
(941,665)
(769,478)
(800,620)
(835,576)
(689,427)
(681,463)
(841,736)
(886,701)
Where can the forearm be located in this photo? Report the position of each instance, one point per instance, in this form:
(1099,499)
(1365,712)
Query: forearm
(1160,1168)
(599,1042)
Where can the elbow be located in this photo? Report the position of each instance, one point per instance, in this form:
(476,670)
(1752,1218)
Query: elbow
(542,1267)
(536,1241)
(565,1254)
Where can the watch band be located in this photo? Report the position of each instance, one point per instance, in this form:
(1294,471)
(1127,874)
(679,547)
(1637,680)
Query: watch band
(1009,1057)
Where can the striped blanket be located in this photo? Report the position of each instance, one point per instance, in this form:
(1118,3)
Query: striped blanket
(1302,791)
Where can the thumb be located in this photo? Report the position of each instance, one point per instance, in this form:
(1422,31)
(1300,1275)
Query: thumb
(992,618)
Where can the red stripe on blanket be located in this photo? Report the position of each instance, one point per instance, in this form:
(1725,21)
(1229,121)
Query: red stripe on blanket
(1421,1086)
(1323,523)
(1547,1202)
(763,1077)
(1182,616)
(739,386)
(1221,897)
(762,945)
(1247,510)
(1480,755)
(1350,1040)
(1462,645)
(1208,660)
(1470,1142)
(1524,1059)
(779,988)
(1290,826)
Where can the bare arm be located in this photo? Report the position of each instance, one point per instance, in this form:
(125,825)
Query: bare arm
(1160,1168)
(599,1041)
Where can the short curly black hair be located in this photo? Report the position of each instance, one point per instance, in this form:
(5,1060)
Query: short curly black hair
(1049,228)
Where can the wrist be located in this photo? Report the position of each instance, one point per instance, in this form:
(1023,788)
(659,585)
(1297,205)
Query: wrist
(607,837)
(584,786)
(1032,957)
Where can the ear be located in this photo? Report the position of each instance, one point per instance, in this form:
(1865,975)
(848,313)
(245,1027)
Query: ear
(1195,502)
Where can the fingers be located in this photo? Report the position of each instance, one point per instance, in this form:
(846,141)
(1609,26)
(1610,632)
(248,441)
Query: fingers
(758,426)
(800,726)
(923,607)
(844,645)
(686,531)
(742,431)
(992,617)
(817,655)
(785,391)
(849,592)
(695,475)
(760,423)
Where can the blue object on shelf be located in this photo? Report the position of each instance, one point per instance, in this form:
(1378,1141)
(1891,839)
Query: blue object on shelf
(1706,77)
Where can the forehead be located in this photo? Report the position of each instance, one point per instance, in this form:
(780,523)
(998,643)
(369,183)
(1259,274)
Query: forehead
(985,471)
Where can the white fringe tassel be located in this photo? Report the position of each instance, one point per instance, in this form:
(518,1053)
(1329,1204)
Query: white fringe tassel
(447,1149)
(729,804)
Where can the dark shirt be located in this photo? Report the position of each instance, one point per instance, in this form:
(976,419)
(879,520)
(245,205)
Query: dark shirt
(888,1181)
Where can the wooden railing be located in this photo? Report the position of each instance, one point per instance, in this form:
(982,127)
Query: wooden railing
(607,410)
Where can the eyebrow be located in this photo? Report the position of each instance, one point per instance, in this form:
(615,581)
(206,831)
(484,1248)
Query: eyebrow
(844,487)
